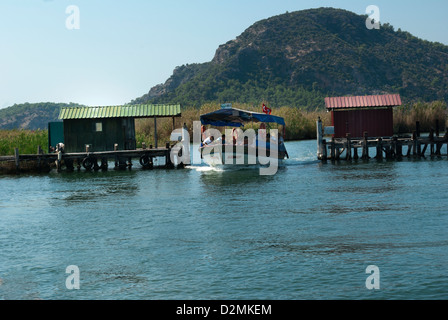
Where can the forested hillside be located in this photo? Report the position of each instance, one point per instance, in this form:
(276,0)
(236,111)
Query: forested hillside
(30,116)
(296,59)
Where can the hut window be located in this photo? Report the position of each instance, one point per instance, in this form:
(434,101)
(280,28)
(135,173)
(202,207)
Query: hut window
(98,127)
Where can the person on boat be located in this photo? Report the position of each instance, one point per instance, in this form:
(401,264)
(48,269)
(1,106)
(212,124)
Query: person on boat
(262,132)
(209,140)
(203,129)
(235,135)
(273,139)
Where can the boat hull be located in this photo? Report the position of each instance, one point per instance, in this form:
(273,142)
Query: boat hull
(217,156)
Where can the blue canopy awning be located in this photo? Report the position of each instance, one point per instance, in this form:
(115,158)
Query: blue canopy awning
(236,118)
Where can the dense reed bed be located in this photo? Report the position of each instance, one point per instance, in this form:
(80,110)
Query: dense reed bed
(299,124)
(26,140)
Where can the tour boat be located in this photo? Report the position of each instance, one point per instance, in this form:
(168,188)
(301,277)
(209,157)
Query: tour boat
(243,148)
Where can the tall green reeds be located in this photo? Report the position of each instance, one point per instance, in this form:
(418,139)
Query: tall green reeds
(26,140)
(406,116)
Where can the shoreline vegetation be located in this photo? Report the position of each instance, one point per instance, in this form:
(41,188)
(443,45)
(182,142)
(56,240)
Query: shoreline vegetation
(300,124)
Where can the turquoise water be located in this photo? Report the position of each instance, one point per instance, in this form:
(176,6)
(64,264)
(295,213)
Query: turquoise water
(309,232)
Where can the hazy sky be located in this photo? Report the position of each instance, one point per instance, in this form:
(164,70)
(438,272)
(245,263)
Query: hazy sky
(123,48)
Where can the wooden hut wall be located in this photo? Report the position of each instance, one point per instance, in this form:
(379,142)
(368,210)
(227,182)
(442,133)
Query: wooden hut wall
(376,122)
(100,134)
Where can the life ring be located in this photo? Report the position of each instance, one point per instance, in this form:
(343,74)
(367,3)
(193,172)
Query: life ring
(89,162)
(104,164)
(146,161)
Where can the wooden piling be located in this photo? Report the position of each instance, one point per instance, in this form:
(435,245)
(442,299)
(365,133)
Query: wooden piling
(59,161)
(320,146)
(324,149)
(431,142)
(332,149)
(398,150)
(337,154)
(365,147)
(414,143)
(355,154)
(17,159)
(379,149)
(348,148)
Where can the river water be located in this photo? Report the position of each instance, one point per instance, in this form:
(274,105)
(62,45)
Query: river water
(308,232)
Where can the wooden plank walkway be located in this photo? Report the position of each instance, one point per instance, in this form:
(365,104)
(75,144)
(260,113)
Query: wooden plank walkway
(396,147)
(41,162)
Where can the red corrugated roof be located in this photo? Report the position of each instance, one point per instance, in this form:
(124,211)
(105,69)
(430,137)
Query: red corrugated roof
(388,100)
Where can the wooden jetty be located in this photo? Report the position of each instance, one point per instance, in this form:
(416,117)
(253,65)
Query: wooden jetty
(393,148)
(45,162)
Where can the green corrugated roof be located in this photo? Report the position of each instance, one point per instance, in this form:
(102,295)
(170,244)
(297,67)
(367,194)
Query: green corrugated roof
(128,111)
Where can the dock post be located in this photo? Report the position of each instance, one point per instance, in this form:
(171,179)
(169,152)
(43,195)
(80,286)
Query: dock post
(337,153)
(332,149)
(39,152)
(319,139)
(414,143)
(168,163)
(365,147)
(117,160)
(419,147)
(59,161)
(17,158)
(348,150)
(379,149)
(355,153)
(431,141)
(324,146)
(398,148)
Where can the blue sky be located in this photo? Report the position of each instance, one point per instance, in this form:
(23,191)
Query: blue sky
(123,48)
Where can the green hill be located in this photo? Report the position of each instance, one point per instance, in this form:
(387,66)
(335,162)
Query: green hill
(30,116)
(296,59)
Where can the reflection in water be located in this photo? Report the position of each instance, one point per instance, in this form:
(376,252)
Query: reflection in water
(234,177)
(91,186)
(201,233)
(361,178)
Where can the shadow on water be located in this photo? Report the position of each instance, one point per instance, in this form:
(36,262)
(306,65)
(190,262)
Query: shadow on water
(235,177)
(361,176)
(90,186)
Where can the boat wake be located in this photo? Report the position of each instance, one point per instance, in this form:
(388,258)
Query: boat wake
(205,168)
